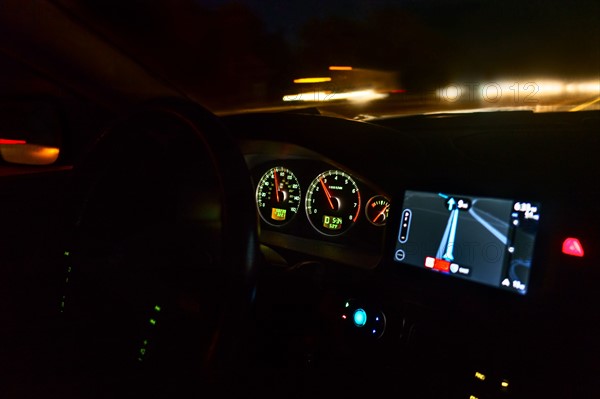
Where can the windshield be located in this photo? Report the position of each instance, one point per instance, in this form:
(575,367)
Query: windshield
(362,59)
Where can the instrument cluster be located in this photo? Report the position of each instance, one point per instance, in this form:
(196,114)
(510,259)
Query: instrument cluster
(318,200)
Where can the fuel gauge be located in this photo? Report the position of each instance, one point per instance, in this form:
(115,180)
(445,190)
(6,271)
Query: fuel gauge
(377,210)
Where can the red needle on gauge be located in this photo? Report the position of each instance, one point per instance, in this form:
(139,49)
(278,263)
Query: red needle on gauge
(327,193)
(381,213)
(276,185)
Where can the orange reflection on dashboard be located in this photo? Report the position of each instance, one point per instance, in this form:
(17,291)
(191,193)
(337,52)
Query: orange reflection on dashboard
(29,154)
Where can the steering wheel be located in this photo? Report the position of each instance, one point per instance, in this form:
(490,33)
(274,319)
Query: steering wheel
(164,256)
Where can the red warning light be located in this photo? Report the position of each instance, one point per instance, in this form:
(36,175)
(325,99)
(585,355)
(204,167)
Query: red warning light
(572,246)
(12,142)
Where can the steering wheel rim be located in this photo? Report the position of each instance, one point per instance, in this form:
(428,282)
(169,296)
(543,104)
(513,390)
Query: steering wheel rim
(202,224)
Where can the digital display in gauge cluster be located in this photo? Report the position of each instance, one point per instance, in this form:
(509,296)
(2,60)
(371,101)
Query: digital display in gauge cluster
(332,202)
(486,240)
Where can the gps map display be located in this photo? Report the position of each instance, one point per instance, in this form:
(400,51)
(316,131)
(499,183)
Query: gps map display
(485,240)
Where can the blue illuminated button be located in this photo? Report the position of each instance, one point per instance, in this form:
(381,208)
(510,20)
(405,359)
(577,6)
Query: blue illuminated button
(360,317)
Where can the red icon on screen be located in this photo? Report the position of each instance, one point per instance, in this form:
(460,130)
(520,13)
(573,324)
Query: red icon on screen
(437,264)
(572,246)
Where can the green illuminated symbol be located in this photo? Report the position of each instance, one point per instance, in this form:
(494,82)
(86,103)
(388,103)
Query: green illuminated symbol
(145,342)
(143,351)
(153,322)
(67,253)
(157,308)
(332,222)
(347,304)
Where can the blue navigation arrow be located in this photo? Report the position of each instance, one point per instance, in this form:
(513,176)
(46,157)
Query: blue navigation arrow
(451,203)
(446,248)
(449,255)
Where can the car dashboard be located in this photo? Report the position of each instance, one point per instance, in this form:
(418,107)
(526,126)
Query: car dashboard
(339,310)
(431,317)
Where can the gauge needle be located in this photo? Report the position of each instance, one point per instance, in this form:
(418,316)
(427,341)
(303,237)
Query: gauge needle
(276,185)
(327,193)
(381,213)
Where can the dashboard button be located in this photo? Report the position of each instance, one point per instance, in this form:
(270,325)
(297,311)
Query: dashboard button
(572,246)
(400,255)
(360,317)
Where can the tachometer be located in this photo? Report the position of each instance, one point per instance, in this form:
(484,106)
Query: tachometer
(278,196)
(332,202)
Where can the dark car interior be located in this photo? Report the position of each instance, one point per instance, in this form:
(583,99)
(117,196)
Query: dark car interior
(174,251)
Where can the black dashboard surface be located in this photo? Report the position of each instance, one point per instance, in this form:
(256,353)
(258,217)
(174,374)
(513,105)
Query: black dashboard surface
(433,322)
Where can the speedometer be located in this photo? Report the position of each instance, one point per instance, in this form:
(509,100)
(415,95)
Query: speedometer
(278,196)
(332,202)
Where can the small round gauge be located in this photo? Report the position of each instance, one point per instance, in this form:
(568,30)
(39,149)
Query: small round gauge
(377,209)
(332,202)
(278,196)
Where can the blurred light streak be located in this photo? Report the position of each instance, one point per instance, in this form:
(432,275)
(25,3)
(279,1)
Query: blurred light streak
(312,80)
(584,105)
(355,96)
(590,87)
(12,142)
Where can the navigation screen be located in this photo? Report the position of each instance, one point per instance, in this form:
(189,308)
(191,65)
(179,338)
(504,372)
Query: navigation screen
(485,240)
